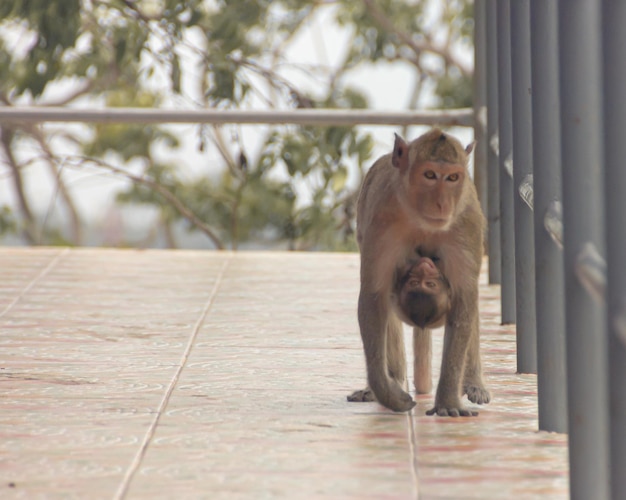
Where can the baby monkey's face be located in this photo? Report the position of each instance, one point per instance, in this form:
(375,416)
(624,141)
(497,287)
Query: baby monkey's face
(423,294)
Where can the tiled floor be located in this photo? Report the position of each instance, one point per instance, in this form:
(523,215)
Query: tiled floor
(161,374)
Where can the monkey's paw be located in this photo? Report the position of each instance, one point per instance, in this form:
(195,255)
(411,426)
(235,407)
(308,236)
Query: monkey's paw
(393,397)
(477,394)
(400,404)
(452,412)
(362,396)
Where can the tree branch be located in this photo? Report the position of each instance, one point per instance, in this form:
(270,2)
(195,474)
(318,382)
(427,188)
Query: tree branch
(29,232)
(65,194)
(418,47)
(165,193)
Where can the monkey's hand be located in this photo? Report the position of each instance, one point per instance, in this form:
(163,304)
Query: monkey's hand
(393,397)
(477,393)
(451,409)
(406,403)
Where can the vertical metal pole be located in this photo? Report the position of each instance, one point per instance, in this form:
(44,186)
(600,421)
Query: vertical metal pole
(522,179)
(551,376)
(493,168)
(583,220)
(614,20)
(480,103)
(505,131)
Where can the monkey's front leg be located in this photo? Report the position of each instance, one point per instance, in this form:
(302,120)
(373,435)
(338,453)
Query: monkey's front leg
(374,317)
(396,356)
(455,345)
(473,384)
(396,361)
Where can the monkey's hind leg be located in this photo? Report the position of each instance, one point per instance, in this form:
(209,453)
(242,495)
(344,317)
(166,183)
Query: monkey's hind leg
(422,365)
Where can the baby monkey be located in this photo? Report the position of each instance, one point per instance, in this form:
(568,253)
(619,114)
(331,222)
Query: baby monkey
(421,294)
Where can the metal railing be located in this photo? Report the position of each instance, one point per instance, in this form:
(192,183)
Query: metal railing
(453,117)
(557,154)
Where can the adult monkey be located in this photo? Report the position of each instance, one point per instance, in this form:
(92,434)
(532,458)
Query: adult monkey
(420,197)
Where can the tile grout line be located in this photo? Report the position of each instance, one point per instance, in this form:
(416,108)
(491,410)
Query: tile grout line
(413,449)
(412,445)
(39,276)
(137,459)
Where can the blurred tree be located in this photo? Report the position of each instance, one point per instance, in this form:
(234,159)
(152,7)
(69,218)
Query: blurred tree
(113,51)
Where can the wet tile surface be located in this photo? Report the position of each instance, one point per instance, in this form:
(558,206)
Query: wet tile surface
(161,374)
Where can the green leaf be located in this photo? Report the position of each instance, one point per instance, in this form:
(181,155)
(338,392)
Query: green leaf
(339,179)
(8,223)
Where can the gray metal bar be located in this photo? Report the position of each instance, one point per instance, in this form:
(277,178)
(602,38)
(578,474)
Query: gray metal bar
(493,168)
(549,282)
(591,272)
(480,103)
(553,218)
(459,117)
(583,222)
(526,191)
(526,331)
(614,20)
(505,134)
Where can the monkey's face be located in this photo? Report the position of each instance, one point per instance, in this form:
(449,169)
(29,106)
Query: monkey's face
(424,298)
(434,189)
(424,277)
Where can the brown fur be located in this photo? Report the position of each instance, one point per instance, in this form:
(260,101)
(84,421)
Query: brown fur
(421,196)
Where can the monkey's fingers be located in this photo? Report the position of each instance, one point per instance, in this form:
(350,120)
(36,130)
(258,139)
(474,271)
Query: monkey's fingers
(391,395)
(407,406)
(405,403)
(477,394)
(452,412)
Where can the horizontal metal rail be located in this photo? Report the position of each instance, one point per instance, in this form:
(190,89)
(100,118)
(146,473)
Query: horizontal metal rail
(463,117)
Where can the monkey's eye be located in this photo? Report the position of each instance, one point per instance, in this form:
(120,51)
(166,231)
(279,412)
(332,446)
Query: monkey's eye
(453,177)
(429,174)
(431,284)
(414,283)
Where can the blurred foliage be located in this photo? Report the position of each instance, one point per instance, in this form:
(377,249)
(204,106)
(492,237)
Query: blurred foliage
(454,91)
(7,221)
(114,51)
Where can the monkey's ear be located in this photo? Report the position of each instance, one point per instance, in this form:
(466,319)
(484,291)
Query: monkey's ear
(400,156)
(469,148)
